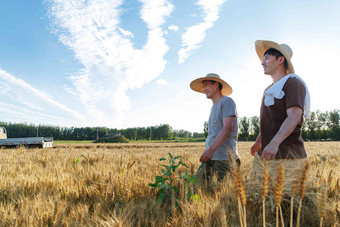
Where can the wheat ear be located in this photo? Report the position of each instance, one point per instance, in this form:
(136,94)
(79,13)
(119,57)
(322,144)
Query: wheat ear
(322,204)
(278,193)
(243,201)
(302,189)
(264,191)
(239,189)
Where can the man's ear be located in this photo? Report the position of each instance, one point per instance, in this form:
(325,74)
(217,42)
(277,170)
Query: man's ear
(281,60)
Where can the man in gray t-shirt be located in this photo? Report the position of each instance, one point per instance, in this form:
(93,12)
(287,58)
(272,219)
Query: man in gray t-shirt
(222,127)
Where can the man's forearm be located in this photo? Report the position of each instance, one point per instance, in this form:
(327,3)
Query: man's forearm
(286,128)
(228,123)
(221,137)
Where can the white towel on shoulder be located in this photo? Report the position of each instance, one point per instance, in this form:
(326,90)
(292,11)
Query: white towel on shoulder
(275,91)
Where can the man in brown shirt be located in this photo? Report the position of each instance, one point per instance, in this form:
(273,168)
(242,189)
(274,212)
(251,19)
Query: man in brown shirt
(281,114)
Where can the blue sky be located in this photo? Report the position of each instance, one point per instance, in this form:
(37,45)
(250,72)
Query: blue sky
(129,63)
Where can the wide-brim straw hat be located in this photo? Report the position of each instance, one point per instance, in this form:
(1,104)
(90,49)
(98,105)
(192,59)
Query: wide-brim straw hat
(197,84)
(262,46)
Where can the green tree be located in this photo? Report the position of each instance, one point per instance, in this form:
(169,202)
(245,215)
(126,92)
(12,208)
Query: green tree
(205,129)
(334,118)
(197,135)
(244,129)
(255,127)
(311,124)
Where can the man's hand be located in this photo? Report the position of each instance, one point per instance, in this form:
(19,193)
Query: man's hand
(254,148)
(206,156)
(270,151)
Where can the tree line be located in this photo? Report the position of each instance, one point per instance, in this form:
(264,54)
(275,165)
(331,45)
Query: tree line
(159,132)
(319,126)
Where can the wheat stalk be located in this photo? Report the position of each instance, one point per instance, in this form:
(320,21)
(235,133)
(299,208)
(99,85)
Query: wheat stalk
(302,189)
(322,204)
(243,201)
(294,189)
(173,203)
(237,180)
(241,196)
(223,216)
(240,212)
(278,194)
(264,191)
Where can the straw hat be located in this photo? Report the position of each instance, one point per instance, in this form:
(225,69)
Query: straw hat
(197,85)
(262,46)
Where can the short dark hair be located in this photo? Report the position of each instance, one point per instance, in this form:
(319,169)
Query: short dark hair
(219,84)
(276,54)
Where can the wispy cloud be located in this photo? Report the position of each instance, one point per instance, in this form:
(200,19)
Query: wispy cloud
(194,35)
(125,32)
(111,63)
(33,104)
(162,82)
(173,28)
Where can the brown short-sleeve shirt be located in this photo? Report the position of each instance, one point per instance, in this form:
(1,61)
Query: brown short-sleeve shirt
(272,117)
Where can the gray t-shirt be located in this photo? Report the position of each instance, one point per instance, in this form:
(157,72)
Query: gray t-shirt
(225,107)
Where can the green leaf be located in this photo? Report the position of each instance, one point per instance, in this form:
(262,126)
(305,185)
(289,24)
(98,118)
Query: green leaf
(168,172)
(189,194)
(167,167)
(158,179)
(183,164)
(174,168)
(152,185)
(196,197)
(193,179)
(166,184)
(160,198)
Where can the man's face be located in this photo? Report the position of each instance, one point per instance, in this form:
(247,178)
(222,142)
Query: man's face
(210,88)
(270,64)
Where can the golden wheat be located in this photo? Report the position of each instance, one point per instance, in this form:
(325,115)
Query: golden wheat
(264,191)
(107,185)
(302,190)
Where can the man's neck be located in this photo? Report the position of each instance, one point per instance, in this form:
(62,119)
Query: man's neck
(216,98)
(278,76)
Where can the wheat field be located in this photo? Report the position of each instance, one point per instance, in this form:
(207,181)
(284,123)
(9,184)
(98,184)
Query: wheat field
(107,185)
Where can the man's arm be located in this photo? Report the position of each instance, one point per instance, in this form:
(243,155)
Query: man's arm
(256,146)
(293,118)
(228,124)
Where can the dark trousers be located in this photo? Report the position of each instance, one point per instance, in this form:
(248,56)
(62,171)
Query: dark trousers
(207,170)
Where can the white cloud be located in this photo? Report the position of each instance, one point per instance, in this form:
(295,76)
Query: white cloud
(111,63)
(173,28)
(125,32)
(194,35)
(162,82)
(34,104)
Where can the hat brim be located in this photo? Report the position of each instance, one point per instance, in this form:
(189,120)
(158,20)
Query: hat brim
(197,85)
(262,46)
